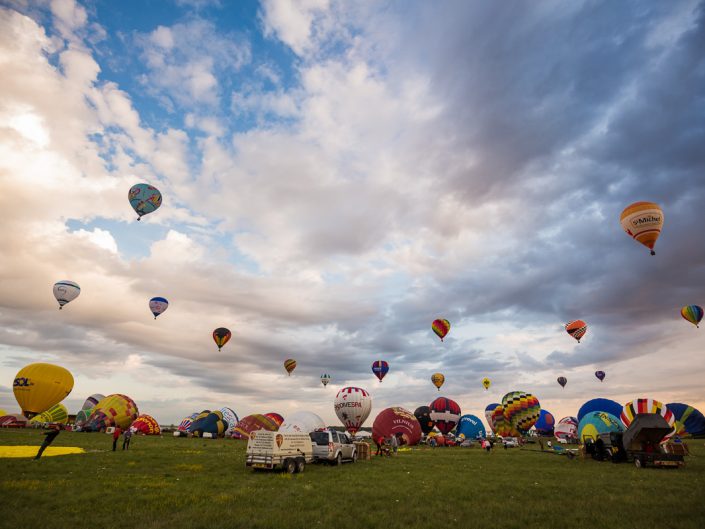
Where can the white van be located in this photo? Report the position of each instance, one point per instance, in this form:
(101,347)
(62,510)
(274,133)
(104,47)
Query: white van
(290,451)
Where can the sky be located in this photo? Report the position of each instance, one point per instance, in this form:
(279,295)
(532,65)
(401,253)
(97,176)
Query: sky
(335,176)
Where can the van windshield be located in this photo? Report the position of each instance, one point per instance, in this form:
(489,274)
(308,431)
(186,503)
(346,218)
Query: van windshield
(320,438)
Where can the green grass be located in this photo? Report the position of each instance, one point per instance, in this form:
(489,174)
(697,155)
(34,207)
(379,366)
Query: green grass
(169,482)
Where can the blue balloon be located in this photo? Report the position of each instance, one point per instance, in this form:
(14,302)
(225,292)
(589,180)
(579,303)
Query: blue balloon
(605,405)
(470,427)
(380,368)
(144,199)
(545,424)
(208,422)
(694,420)
(158,305)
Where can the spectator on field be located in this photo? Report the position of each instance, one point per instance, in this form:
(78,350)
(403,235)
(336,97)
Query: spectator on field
(394,443)
(116,436)
(50,434)
(126,439)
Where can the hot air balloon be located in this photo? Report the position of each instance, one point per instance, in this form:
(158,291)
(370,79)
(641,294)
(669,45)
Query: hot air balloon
(689,421)
(445,413)
(438,379)
(521,410)
(208,422)
(633,408)
(92,401)
(277,418)
(81,419)
(692,313)
(606,405)
(144,199)
(302,422)
(441,327)
(643,222)
(56,414)
(289,365)
(113,410)
(601,375)
(423,415)
(13,420)
(399,422)
(230,417)
(186,422)
(39,386)
(562,381)
(545,424)
(500,425)
(488,414)
(486,383)
(146,425)
(596,423)
(352,406)
(576,329)
(470,427)
(325,378)
(249,424)
(158,305)
(567,428)
(380,369)
(66,291)
(221,336)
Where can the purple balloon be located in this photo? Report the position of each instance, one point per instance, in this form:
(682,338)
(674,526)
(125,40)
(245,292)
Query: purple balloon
(600,375)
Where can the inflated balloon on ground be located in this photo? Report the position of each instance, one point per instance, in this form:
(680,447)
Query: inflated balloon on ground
(302,422)
(352,406)
(645,405)
(211,422)
(606,405)
(445,413)
(231,418)
(545,423)
(470,427)
(521,409)
(598,422)
(689,421)
(145,425)
(56,414)
(253,422)
(423,415)
(37,387)
(114,410)
(399,422)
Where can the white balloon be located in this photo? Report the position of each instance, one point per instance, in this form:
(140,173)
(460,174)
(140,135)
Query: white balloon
(302,422)
(353,406)
(231,418)
(65,291)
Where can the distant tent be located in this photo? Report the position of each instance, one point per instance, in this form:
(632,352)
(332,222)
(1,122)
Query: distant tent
(13,421)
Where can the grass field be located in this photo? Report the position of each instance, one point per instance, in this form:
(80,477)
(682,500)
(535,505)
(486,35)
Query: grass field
(192,483)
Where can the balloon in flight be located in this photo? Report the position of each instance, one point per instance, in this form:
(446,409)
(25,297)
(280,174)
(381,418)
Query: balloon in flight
(601,375)
(692,313)
(144,199)
(158,306)
(438,379)
(39,386)
(221,336)
(486,383)
(66,291)
(352,406)
(325,379)
(380,369)
(441,327)
(289,365)
(576,329)
(562,381)
(643,222)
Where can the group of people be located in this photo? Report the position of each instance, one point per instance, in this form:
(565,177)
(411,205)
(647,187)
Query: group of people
(388,446)
(55,429)
(126,435)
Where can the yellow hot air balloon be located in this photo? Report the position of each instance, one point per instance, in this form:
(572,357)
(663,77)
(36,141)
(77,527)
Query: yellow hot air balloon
(39,386)
(486,382)
(56,414)
(643,222)
(2,412)
(438,379)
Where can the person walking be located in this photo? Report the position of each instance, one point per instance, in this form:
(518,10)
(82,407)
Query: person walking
(116,436)
(50,436)
(126,439)
(394,442)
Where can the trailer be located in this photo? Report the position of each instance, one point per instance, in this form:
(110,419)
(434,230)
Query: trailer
(642,442)
(288,451)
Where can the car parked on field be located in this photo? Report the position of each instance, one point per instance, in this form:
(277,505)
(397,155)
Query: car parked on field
(333,446)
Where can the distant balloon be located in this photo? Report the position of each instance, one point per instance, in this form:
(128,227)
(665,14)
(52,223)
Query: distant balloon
(208,422)
(545,424)
(157,306)
(488,414)
(423,415)
(302,422)
(146,425)
(689,421)
(92,401)
(56,414)
(352,406)
(221,336)
(82,418)
(692,313)
(445,413)
(596,423)
(144,199)
(643,222)
(66,291)
(633,408)
(470,427)
(486,383)
(39,386)
(438,379)
(113,410)
(290,365)
(576,329)
(441,327)
(562,381)
(230,417)
(606,405)
(249,424)
(380,369)
(567,428)
(521,410)
(325,378)
(500,425)
(277,418)
(399,422)
(601,375)
(186,422)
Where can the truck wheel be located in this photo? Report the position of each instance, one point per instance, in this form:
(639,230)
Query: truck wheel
(637,462)
(289,466)
(339,459)
(354,457)
(300,465)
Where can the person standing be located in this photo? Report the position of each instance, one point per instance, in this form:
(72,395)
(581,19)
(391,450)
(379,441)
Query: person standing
(126,439)
(116,436)
(50,436)
(394,443)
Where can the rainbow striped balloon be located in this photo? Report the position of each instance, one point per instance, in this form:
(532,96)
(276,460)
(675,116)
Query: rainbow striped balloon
(637,406)
(692,313)
(521,410)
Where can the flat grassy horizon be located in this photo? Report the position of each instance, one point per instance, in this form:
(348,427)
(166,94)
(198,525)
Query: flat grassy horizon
(179,482)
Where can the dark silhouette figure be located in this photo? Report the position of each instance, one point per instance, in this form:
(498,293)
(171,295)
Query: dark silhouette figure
(50,436)
(116,436)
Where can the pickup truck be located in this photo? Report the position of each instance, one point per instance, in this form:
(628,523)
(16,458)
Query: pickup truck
(288,451)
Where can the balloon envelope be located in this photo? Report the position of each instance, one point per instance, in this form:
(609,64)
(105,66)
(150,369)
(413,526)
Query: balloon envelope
(643,222)
(37,387)
(545,423)
(186,422)
(146,425)
(325,378)
(470,427)
(692,313)
(397,421)
(278,419)
(211,422)
(66,291)
(113,410)
(289,365)
(597,422)
(144,199)
(92,401)
(230,417)
(601,375)
(56,414)
(521,409)
(606,405)
(486,383)
(488,414)
(423,415)
(562,381)
(257,421)
(576,329)
(221,336)
(158,306)
(445,413)
(352,406)
(438,379)
(689,421)
(500,425)
(302,422)
(567,428)
(441,327)
(380,369)
(644,405)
